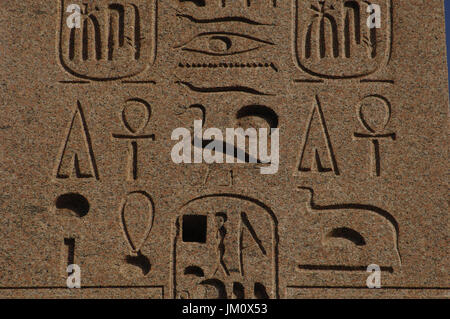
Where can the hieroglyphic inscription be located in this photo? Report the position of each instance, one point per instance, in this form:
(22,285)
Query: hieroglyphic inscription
(136,219)
(332,39)
(77,156)
(374,115)
(135,117)
(225,246)
(115,40)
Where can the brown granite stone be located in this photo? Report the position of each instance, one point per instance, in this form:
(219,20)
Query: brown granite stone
(85,141)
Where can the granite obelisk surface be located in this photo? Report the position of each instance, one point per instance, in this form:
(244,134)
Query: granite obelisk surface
(99,191)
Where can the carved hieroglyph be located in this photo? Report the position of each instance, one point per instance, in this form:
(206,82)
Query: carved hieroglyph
(225,246)
(332,39)
(116,39)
